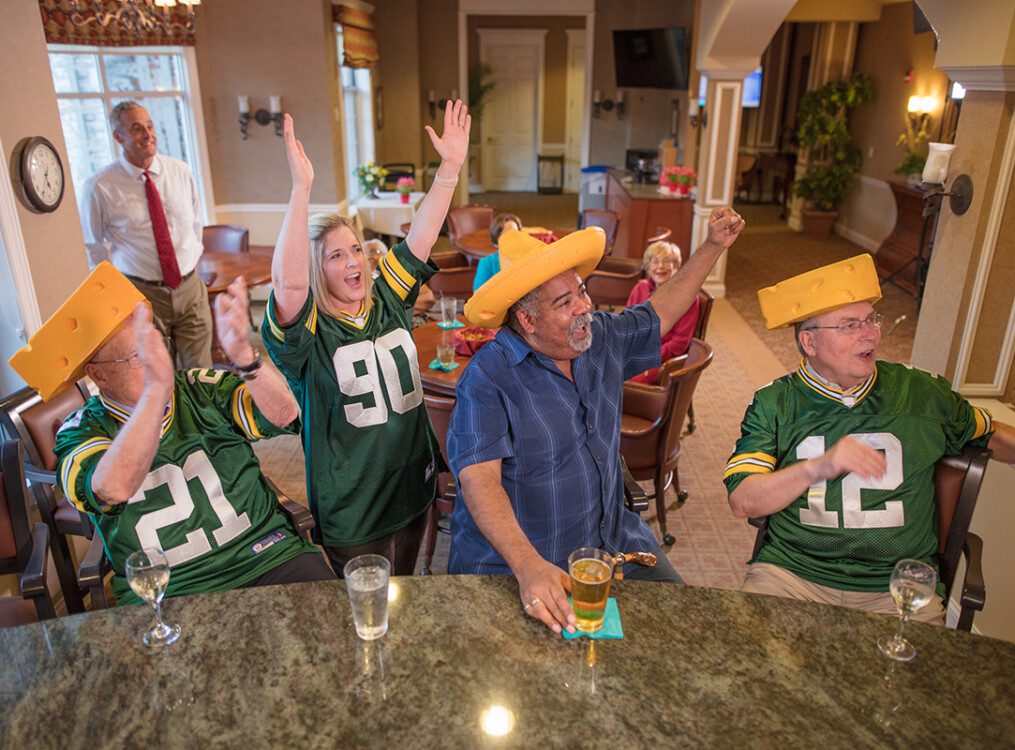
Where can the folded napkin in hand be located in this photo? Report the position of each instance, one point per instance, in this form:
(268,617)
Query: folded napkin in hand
(611,624)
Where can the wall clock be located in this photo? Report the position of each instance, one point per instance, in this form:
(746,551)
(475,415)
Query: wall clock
(42,174)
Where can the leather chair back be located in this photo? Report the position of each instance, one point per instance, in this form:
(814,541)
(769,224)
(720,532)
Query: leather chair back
(602,217)
(35,422)
(470,218)
(8,542)
(455,277)
(226,238)
(612,280)
(705,301)
(957,481)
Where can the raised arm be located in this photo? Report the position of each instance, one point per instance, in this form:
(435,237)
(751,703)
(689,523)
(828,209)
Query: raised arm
(542,586)
(453,147)
(232,324)
(674,297)
(290,272)
(127,461)
(764,494)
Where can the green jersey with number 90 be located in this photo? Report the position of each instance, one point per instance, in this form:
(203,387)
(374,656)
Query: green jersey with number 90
(370,450)
(849,532)
(204,501)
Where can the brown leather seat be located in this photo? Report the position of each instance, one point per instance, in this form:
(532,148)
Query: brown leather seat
(601,217)
(23,550)
(705,301)
(455,277)
(470,218)
(439,408)
(35,424)
(226,238)
(957,481)
(652,419)
(612,280)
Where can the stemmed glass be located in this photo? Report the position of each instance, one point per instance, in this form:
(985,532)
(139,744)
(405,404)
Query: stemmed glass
(148,576)
(912,586)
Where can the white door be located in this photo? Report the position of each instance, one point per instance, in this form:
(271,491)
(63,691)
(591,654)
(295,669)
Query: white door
(513,116)
(575,109)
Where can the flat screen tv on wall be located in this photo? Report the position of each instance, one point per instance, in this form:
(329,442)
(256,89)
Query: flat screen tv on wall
(651,58)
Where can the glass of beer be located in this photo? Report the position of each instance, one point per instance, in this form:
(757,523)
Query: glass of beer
(591,573)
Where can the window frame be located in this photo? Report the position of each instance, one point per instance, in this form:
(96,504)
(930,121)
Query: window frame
(362,116)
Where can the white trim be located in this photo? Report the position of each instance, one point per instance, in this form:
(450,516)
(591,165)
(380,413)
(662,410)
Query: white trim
(200,137)
(723,88)
(590,42)
(869,244)
(573,38)
(17,254)
(986,259)
(983,78)
(526,7)
(267,208)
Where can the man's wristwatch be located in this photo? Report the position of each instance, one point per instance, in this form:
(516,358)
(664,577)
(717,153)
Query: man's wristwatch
(247,372)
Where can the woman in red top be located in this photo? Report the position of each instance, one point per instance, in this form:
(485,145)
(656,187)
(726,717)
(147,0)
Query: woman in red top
(661,261)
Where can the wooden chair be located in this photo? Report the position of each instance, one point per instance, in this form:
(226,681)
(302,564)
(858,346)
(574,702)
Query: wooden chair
(439,408)
(747,175)
(455,277)
(226,238)
(705,301)
(395,172)
(957,481)
(608,220)
(612,280)
(652,419)
(23,548)
(34,422)
(471,218)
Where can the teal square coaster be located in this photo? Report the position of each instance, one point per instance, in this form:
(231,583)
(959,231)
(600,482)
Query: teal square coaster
(436,365)
(611,625)
(452,324)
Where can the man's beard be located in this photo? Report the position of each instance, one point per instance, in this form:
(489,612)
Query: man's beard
(577,344)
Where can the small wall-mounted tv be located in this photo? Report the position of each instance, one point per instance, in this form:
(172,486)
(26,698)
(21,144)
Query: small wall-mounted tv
(651,58)
(751,96)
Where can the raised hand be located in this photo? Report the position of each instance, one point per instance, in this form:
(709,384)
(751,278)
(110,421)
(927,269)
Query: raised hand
(724,226)
(300,168)
(151,350)
(543,587)
(232,323)
(453,144)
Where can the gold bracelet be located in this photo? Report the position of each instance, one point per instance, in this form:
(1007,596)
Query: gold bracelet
(444,182)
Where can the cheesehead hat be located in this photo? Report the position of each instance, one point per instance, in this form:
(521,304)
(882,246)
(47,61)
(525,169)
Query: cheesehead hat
(56,355)
(527,262)
(819,291)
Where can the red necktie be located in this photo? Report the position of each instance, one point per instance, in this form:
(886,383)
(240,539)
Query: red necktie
(163,242)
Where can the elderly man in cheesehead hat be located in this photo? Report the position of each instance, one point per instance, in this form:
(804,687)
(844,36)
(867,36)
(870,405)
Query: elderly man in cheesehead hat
(840,453)
(163,458)
(535,435)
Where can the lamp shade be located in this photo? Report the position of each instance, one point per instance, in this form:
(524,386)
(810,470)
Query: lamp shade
(935,171)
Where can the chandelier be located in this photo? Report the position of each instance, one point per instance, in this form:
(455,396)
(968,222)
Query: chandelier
(136,17)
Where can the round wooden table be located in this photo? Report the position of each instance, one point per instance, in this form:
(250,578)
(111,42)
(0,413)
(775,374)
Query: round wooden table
(218,270)
(477,245)
(438,382)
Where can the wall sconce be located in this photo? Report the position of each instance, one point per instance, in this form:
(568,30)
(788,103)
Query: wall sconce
(919,109)
(261,116)
(699,118)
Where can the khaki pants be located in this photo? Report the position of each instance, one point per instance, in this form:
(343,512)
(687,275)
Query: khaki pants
(764,578)
(183,316)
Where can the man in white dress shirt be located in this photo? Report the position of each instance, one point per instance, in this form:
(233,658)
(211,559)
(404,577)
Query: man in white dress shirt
(142,214)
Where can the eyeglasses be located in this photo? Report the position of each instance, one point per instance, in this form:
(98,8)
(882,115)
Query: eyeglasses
(853,325)
(133,361)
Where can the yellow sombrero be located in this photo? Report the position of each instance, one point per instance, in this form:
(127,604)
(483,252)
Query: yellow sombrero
(525,263)
(819,291)
(56,355)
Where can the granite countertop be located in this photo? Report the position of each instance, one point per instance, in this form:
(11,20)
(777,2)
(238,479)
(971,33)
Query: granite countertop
(281,667)
(645,191)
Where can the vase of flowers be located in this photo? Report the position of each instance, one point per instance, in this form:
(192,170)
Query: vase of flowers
(678,179)
(404,186)
(370,176)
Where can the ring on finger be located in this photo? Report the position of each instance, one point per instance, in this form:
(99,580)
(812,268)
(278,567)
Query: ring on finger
(531,604)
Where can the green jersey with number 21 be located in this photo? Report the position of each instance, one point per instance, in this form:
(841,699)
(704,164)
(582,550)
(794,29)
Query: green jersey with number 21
(849,532)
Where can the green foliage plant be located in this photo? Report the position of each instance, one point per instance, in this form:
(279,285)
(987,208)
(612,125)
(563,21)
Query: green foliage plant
(822,130)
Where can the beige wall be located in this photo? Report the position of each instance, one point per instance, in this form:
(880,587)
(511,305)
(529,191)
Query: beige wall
(554,62)
(397,73)
(646,121)
(438,59)
(55,247)
(261,48)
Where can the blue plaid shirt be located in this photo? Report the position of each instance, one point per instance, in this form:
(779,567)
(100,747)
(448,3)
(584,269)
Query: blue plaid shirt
(558,441)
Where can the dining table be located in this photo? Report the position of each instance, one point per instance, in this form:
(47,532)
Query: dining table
(461,666)
(477,245)
(219,269)
(427,337)
(386,213)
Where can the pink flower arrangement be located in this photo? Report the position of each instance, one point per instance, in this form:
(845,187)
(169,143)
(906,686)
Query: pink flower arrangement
(405,185)
(678,176)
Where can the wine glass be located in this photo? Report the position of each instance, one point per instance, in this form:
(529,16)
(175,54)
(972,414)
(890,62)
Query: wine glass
(148,576)
(912,586)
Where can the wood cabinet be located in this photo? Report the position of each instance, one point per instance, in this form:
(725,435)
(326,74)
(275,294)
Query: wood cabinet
(899,252)
(643,210)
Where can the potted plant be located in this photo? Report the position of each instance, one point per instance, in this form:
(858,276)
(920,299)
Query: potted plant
(678,179)
(913,140)
(370,176)
(821,128)
(404,186)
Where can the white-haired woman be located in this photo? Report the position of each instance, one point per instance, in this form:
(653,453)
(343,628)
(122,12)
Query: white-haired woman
(342,340)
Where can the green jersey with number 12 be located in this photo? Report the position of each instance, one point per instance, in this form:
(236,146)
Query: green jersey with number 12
(204,501)
(849,532)
(370,450)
